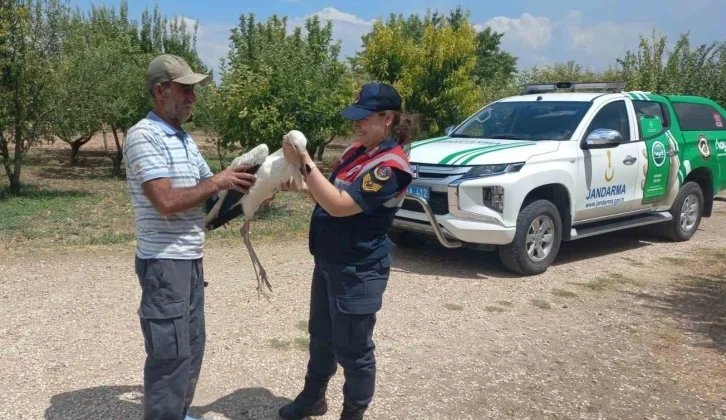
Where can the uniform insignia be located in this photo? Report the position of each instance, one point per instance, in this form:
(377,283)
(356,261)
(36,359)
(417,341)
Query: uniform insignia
(373,151)
(369,185)
(382,173)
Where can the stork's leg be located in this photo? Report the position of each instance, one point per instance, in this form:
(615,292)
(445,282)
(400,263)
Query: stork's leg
(262,275)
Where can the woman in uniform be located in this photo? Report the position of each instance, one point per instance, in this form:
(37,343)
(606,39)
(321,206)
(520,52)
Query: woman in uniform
(353,214)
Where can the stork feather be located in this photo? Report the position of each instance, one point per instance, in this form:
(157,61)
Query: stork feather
(272,172)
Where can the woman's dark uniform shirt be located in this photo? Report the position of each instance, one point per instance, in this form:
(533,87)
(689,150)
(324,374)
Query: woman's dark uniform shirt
(377,181)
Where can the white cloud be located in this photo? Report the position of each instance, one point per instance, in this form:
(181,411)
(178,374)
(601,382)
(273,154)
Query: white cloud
(212,41)
(538,40)
(533,32)
(331,13)
(347,28)
(603,41)
(535,40)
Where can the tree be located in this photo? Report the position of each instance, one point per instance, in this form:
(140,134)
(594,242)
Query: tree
(274,81)
(431,61)
(681,69)
(30,49)
(75,100)
(120,65)
(493,66)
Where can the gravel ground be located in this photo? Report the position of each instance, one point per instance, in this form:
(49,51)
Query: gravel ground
(622,327)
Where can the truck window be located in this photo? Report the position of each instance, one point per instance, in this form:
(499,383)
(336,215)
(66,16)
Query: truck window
(698,117)
(649,109)
(613,116)
(530,120)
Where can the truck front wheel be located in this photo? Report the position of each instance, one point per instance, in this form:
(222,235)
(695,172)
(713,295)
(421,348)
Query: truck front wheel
(536,241)
(686,211)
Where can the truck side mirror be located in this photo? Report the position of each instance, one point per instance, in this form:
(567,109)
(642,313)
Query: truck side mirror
(602,138)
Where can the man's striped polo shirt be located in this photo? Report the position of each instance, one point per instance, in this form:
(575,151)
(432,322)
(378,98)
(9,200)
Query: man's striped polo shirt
(154,149)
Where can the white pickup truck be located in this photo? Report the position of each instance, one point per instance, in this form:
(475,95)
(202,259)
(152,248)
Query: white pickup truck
(526,172)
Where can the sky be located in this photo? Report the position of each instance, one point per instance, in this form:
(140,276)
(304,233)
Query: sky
(539,32)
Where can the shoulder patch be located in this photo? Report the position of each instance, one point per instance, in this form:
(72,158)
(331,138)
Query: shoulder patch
(382,173)
(369,185)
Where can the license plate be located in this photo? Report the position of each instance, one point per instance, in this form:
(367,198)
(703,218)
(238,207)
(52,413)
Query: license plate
(422,192)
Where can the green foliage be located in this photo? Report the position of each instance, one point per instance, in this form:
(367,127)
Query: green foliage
(274,81)
(67,74)
(494,67)
(431,61)
(30,52)
(684,70)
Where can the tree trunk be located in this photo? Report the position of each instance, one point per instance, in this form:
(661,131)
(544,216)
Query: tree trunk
(14,183)
(116,171)
(105,141)
(220,154)
(312,150)
(18,158)
(5,153)
(75,147)
(19,144)
(321,148)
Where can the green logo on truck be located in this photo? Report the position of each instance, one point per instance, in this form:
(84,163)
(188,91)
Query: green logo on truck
(659,154)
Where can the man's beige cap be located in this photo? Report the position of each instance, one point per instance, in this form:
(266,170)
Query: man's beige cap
(167,67)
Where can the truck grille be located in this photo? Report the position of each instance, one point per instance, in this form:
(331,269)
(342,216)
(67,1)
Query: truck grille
(439,202)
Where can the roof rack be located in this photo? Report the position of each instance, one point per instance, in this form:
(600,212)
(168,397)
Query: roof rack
(554,87)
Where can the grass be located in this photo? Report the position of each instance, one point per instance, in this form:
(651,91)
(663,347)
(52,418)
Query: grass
(541,304)
(634,262)
(453,307)
(64,205)
(676,260)
(299,343)
(563,293)
(607,282)
(278,344)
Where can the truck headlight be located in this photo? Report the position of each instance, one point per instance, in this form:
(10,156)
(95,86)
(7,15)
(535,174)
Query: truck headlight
(492,170)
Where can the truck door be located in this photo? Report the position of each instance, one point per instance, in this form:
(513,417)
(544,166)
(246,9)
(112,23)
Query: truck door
(607,177)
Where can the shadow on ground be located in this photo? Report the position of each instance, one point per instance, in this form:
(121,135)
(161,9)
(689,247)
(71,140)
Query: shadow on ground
(56,164)
(37,193)
(434,259)
(124,402)
(698,305)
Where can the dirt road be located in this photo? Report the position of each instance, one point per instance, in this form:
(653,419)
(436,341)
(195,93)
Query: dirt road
(622,327)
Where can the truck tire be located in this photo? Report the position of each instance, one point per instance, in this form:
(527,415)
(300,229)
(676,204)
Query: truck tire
(402,239)
(687,210)
(537,222)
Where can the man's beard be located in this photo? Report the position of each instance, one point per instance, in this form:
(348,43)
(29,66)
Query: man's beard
(178,112)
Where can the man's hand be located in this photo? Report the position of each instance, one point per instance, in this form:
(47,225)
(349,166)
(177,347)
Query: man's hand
(234,178)
(168,200)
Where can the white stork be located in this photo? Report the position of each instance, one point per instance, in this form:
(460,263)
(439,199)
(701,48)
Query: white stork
(272,172)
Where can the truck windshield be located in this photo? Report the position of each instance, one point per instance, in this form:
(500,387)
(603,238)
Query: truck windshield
(535,120)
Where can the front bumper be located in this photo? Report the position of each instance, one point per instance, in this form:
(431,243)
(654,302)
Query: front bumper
(455,211)
(449,230)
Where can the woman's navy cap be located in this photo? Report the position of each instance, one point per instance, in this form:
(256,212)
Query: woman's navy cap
(373,97)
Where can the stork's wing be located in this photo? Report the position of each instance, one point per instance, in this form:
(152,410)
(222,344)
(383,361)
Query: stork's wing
(231,206)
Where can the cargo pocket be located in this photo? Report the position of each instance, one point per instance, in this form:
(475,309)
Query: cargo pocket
(354,305)
(166,331)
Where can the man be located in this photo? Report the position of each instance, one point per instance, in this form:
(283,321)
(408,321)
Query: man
(169,181)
